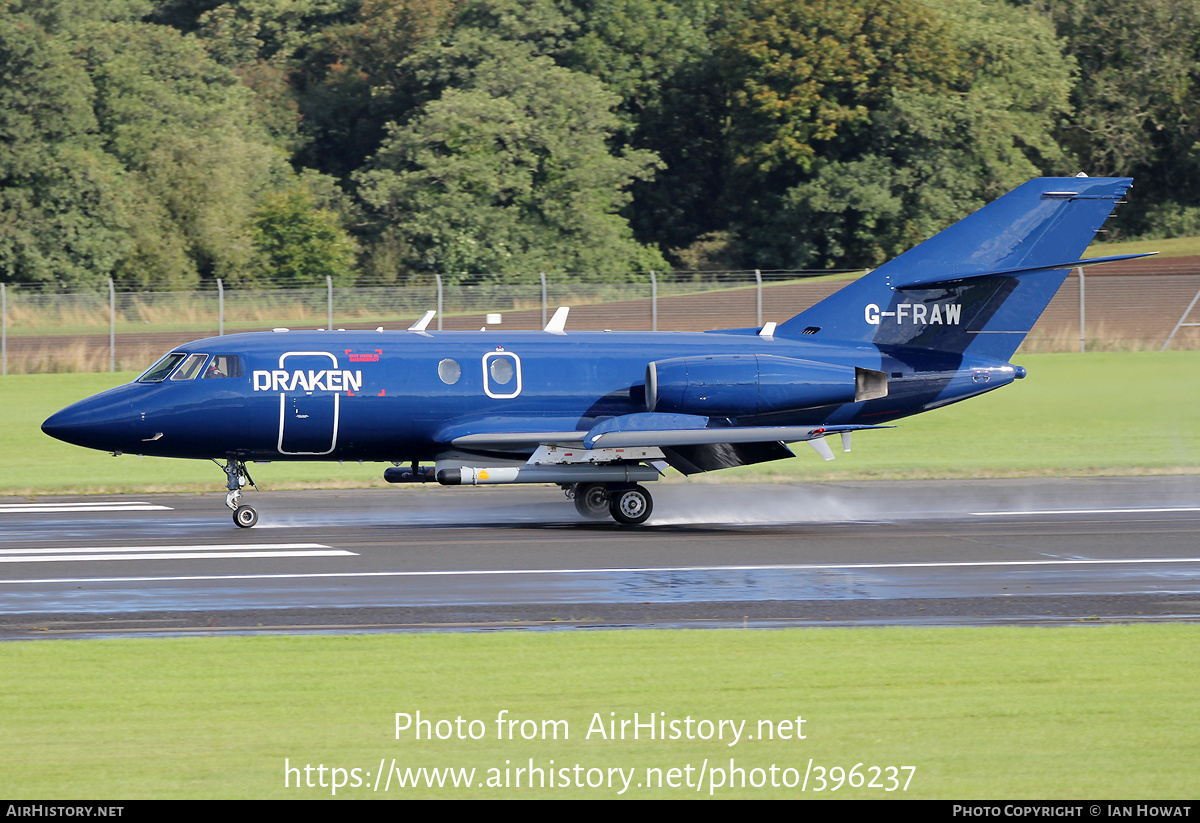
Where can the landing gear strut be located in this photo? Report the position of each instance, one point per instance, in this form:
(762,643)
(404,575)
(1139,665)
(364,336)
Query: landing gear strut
(237,474)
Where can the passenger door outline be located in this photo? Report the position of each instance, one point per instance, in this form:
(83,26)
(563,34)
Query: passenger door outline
(307,402)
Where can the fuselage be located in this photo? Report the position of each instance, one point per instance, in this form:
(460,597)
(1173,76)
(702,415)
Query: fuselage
(404,396)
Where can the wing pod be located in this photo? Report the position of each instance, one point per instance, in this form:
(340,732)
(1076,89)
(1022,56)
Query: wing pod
(737,385)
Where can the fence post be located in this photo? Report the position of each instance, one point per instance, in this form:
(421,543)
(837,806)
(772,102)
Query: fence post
(3,330)
(543,276)
(653,301)
(220,308)
(329,300)
(438,278)
(112,327)
(1082,314)
(758,289)
(1186,313)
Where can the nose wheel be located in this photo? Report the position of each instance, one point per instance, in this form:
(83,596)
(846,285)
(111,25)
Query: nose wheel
(235,470)
(245,516)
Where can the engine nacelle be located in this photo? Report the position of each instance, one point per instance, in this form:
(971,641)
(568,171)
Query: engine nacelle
(736,385)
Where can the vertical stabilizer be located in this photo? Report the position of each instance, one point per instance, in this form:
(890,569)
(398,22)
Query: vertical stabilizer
(978,286)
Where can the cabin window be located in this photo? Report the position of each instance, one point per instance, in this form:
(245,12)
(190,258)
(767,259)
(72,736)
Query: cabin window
(190,368)
(159,371)
(449,371)
(502,370)
(224,365)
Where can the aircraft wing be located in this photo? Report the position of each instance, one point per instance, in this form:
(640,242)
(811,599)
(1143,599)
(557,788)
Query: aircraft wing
(652,429)
(690,443)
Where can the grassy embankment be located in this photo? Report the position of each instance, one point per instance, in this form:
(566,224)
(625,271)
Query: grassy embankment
(1104,413)
(1107,712)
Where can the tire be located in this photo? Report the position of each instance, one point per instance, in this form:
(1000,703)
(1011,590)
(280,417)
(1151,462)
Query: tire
(630,507)
(245,517)
(591,500)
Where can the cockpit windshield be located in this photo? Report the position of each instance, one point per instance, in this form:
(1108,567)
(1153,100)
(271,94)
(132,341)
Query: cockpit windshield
(190,368)
(221,365)
(159,371)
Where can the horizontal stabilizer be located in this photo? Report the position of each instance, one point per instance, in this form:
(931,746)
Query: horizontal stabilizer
(931,282)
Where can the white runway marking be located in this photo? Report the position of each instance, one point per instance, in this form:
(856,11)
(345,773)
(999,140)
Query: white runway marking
(816,567)
(58,508)
(1085,511)
(200,552)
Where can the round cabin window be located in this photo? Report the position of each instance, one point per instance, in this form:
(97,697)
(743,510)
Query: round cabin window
(449,371)
(502,370)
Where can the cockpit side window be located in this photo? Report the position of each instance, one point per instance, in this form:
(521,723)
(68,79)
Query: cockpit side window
(190,368)
(224,365)
(159,371)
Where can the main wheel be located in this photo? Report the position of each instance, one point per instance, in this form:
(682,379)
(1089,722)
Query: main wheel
(591,500)
(630,507)
(245,516)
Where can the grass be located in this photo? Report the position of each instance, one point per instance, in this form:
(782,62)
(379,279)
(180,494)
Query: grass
(980,713)
(1173,247)
(1102,413)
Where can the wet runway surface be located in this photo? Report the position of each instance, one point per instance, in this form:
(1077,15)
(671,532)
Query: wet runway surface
(943,552)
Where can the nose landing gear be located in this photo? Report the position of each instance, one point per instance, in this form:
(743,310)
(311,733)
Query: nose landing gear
(235,470)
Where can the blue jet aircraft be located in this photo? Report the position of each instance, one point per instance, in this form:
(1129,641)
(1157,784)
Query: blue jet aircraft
(600,413)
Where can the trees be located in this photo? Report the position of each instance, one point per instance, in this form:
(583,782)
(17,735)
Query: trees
(887,124)
(132,155)
(510,176)
(61,198)
(166,143)
(1136,108)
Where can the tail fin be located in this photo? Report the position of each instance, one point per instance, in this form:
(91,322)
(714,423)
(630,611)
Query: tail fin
(980,285)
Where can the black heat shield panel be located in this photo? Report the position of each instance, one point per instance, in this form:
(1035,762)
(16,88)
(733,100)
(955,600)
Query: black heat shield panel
(712,456)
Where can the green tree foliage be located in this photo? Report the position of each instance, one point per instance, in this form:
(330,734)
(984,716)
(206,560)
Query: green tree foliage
(510,176)
(181,125)
(298,244)
(975,118)
(135,155)
(658,55)
(61,220)
(1137,111)
(166,142)
(808,74)
(355,77)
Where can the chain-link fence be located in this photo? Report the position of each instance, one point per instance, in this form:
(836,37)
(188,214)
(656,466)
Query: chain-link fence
(1124,306)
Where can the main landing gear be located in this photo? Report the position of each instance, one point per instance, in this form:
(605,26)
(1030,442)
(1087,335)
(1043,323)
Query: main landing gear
(235,470)
(628,505)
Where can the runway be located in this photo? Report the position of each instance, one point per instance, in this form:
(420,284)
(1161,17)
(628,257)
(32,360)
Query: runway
(431,558)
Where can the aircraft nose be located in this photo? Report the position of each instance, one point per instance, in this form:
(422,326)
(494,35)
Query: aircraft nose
(95,423)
